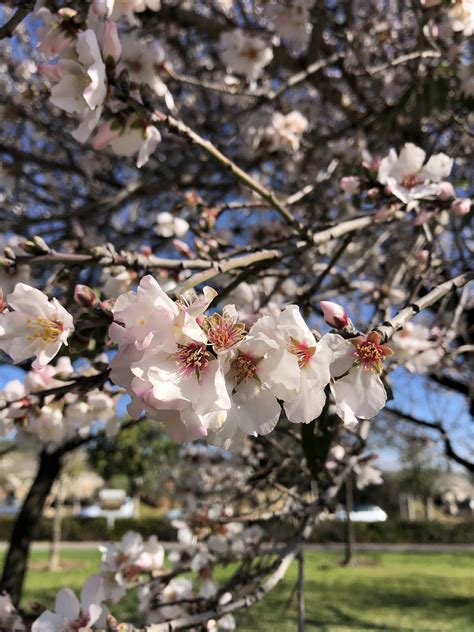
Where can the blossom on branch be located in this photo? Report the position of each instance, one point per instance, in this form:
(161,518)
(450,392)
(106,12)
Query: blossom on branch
(409,178)
(35,327)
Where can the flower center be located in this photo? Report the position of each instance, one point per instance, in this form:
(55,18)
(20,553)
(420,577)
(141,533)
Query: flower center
(244,367)
(223,333)
(410,181)
(45,330)
(302,351)
(193,358)
(81,622)
(370,355)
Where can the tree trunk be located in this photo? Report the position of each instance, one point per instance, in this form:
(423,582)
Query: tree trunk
(349,526)
(14,569)
(53,563)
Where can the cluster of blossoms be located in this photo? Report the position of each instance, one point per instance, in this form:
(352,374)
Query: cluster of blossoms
(411,180)
(133,564)
(90,58)
(207,376)
(55,419)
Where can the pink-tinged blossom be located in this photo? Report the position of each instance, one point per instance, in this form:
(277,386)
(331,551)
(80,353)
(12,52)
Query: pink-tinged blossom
(357,389)
(35,327)
(446,191)
(244,54)
(81,83)
(111,46)
(49,426)
(461,206)
(72,614)
(408,177)
(134,137)
(350,184)
(53,36)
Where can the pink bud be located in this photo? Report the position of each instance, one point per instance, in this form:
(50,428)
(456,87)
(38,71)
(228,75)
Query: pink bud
(429,3)
(50,71)
(84,295)
(461,206)
(111,46)
(423,217)
(146,250)
(350,184)
(446,191)
(334,314)
(373,192)
(104,136)
(182,247)
(422,256)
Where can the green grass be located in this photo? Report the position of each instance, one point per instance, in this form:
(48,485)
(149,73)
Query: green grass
(388,591)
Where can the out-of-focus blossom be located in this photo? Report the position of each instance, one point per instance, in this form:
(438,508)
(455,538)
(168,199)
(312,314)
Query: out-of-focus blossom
(81,83)
(35,326)
(115,9)
(72,614)
(9,617)
(461,206)
(128,138)
(168,225)
(350,184)
(292,21)
(408,178)
(367,475)
(461,16)
(244,54)
(143,61)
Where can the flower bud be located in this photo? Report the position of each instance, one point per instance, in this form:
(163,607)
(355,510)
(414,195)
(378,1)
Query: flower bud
(334,314)
(350,184)
(111,46)
(422,256)
(461,206)
(85,296)
(446,191)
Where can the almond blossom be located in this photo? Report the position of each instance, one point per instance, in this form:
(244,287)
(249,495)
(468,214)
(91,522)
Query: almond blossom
(168,225)
(244,54)
(9,617)
(35,326)
(115,9)
(292,21)
(129,137)
(72,614)
(409,178)
(143,61)
(119,565)
(358,390)
(81,83)
(461,16)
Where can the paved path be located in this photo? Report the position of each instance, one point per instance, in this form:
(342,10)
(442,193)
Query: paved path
(395,548)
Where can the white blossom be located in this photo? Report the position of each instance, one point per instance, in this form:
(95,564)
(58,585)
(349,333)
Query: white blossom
(35,326)
(408,178)
(244,54)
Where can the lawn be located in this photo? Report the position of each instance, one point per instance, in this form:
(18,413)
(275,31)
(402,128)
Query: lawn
(387,591)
